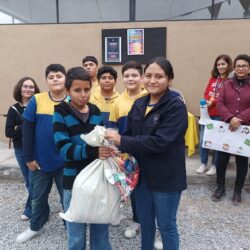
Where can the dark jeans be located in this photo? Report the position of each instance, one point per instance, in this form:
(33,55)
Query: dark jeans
(41,185)
(76,232)
(241,173)
(26,175)
(133,206)
(163,207)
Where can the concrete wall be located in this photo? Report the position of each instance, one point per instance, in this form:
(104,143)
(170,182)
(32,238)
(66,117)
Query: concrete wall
(192,46)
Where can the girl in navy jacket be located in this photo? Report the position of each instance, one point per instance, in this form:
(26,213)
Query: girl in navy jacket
(155,136)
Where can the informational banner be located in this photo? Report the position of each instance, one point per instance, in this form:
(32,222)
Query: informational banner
(113,49)
(135,41)
(217,136)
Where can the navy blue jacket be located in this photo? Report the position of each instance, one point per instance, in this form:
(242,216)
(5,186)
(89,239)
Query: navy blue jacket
(157,141)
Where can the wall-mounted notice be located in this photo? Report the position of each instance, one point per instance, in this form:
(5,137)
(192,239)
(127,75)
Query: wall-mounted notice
(113,49)
(138,44)
(135,41)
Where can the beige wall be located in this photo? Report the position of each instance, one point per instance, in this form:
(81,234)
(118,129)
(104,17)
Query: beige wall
(192,46)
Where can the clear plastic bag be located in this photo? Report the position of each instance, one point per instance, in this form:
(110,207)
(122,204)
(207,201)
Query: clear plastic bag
(123,171)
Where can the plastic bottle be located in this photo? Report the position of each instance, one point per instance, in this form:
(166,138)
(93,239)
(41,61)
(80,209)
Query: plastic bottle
(203,112)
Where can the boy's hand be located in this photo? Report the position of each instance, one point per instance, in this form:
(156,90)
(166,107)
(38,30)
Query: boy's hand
(104,153)
(33,166)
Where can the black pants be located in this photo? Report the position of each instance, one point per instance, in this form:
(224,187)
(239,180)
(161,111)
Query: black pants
(241,173)
(132,199)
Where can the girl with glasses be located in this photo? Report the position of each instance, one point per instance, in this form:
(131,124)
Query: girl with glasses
(23,91)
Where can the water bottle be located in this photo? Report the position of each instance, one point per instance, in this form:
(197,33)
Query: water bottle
(203,112)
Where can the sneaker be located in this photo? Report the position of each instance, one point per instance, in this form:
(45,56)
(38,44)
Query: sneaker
(132,230)
(218,193)
(158,244)
(236,198)
(212,170)
(24,217)
(202,169)
(27,235)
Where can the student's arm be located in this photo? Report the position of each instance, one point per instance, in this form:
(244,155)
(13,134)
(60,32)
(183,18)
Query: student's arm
(129,120)
(12,130)
(28,129)
(69,150)
(29,144)
(113,116)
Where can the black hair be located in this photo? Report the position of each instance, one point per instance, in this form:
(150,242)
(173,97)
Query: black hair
(132,65)
(89,58)
(55,68)
(243,57)
(215,73)
(76,73)
(17,92)
(106,69)
(164,64)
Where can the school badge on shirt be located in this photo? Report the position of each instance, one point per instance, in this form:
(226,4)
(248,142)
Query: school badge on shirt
(156,119)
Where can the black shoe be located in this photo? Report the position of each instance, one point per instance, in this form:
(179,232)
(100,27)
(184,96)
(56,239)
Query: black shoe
(218,193)
(236,198)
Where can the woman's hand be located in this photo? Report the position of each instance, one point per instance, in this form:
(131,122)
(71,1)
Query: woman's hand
(113,136)
(234,124)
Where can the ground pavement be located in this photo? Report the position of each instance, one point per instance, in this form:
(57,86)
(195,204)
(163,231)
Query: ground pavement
(203,224)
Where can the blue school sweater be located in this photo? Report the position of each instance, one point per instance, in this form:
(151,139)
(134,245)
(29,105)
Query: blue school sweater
(38,140)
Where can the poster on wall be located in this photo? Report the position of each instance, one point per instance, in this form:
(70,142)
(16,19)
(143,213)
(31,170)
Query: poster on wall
(217,136)
(113,49)
(135,41)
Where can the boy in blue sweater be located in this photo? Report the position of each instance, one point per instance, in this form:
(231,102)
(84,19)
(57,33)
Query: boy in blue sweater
(39,148)
(72,119)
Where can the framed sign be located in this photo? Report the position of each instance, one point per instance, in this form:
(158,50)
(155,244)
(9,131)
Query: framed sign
(113,49)
(135,41)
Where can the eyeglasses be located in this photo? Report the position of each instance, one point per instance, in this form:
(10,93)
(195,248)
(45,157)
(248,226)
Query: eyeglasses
(28,87)
(244,66)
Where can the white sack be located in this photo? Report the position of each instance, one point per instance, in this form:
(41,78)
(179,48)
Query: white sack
(94,199)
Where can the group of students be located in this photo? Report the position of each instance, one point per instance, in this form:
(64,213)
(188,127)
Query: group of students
(228,99)
(151,119)
(46,128)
